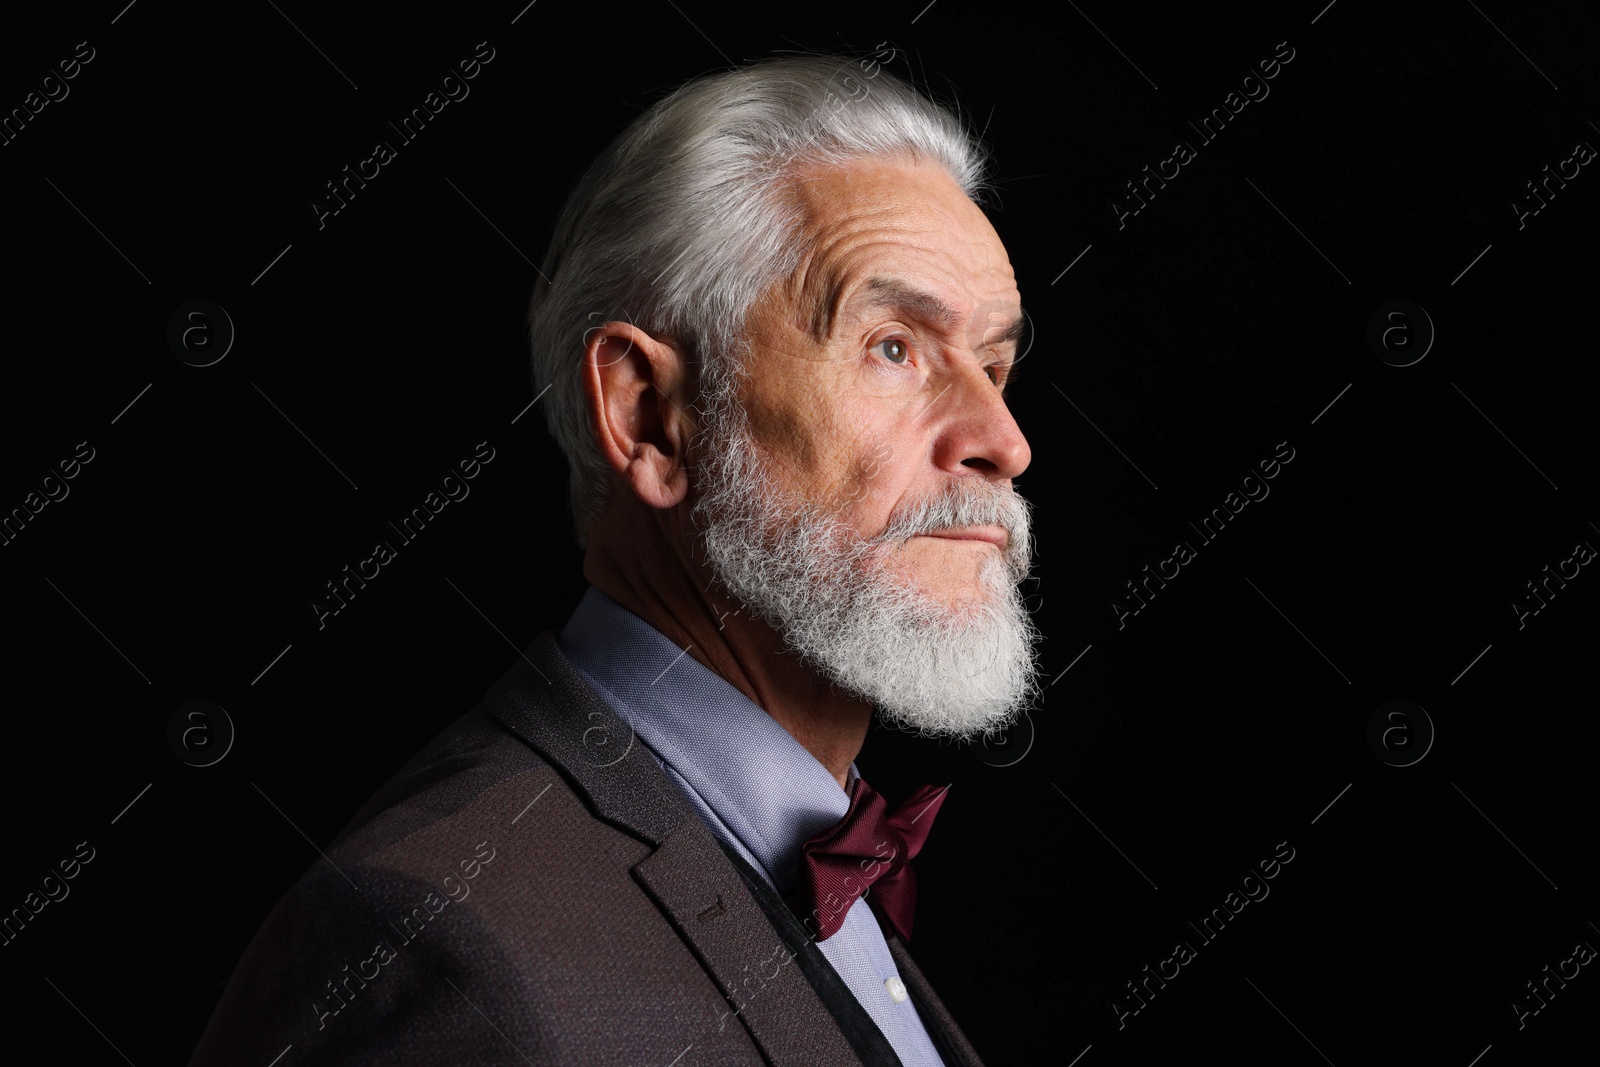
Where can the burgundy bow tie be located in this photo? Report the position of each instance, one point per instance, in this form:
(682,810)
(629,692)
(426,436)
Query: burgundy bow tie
(871,847)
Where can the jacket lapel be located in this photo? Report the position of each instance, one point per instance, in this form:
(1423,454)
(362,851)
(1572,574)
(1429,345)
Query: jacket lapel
(546,702)
(858,1027)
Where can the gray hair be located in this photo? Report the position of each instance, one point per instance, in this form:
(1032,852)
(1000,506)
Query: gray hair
(682,222)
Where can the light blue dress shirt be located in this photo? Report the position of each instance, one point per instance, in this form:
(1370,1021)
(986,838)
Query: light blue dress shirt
(757,788)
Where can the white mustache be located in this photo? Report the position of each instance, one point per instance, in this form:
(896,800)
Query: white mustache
(968,505)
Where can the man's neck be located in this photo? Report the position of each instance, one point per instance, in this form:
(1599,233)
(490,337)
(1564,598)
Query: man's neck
(641,561)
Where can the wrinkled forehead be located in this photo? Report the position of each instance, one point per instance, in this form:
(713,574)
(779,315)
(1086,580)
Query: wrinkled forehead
(901,234)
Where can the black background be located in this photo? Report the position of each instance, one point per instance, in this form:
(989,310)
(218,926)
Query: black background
(1222,319)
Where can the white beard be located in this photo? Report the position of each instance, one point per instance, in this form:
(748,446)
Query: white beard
(827,592)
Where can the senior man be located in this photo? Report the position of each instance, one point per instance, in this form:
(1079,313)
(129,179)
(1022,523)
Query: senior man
(776,330)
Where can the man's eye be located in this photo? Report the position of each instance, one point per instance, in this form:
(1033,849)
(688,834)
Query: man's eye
(893,349)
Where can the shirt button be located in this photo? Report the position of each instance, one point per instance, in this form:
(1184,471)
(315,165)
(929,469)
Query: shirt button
(897,989)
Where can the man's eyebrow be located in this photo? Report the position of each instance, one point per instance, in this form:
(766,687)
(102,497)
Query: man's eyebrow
(1012,332)
(897,296)
(910,301)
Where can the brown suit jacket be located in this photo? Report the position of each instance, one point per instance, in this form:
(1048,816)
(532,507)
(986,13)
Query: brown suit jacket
(533,889)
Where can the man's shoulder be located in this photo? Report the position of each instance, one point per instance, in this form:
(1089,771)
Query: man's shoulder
(468,759)
(500,768)
(482,865)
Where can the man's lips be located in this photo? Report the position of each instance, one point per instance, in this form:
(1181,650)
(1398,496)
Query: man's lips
(995,535)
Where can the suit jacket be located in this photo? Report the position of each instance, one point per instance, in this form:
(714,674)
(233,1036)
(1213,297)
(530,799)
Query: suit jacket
(532,889)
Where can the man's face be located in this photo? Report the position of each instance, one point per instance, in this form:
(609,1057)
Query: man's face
(856,491)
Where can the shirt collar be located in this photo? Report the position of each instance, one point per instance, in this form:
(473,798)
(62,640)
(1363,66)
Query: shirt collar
(765,787)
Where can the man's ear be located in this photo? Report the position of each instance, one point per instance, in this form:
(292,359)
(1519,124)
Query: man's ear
(635,392)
